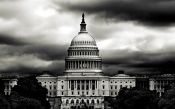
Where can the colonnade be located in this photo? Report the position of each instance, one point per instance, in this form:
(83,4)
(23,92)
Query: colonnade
(83,53)
(83,43)
(82,84)
(83,65)
(159,84)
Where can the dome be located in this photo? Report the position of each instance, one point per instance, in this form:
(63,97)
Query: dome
(83,38)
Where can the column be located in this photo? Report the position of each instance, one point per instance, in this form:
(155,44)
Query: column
(85,85)
(95,84)
(78,65)
(75,64)
(68,65)
(88,64)
(74,85)
(89,84)
(95,64)
(80,84)
(98,64)
(72,64)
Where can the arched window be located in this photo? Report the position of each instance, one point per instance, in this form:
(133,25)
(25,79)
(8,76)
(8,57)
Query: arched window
(77,101)
(98,102)
(72,101)
(82,101)
(87,101)
(92,102)
(67,101)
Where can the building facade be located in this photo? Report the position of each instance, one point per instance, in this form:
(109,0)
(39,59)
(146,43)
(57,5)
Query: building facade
(83,84)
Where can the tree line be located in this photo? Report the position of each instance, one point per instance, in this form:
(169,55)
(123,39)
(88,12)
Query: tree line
(137,98)
(27,94)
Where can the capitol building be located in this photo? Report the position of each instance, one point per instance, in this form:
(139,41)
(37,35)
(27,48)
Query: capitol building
(83,84)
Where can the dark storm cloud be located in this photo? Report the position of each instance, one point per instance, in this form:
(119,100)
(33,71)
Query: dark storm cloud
(142,63)
(150,12)
(8,40)
(44,52)
(47,52)
(56,68)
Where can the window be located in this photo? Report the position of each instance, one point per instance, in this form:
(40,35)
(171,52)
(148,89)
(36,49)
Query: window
(54,93)
(92,101)
(115,93)
(87,101)
(93,85)
(130,86)
(115,86)
(87,87)
(78,93)
(78,87)
(111,86)
(103,93)
(50,87)
(111,93)
(72,101)
(120,86)
(62,93)
(87,93)
(82,87)
(54,87)
(72,93)
(103,86)
(98,102)
(62,87)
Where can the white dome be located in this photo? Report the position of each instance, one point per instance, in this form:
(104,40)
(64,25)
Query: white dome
(83,38)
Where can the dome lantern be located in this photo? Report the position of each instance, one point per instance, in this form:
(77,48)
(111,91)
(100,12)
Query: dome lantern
(83,25)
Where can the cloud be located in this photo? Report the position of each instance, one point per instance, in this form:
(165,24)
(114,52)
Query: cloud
(4,39)
(149,12)
(140,63)
(34,35)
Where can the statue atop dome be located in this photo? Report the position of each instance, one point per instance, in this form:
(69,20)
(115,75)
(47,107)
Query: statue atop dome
(83,15)
(83,24)
(83,18)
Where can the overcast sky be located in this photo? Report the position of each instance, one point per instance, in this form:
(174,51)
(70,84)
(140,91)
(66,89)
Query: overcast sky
(137,36)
